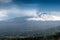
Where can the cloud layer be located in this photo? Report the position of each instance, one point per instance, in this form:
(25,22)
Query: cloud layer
(8,9)
(17,12)
(7,13)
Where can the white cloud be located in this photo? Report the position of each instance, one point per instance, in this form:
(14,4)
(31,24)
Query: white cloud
(3,14)
(45,18)
(15,11)
(25,12)
(56,13)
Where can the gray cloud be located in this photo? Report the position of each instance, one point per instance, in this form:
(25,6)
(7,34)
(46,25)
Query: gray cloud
(5,1)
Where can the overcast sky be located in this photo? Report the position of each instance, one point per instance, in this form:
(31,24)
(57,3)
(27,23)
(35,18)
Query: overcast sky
(15,8)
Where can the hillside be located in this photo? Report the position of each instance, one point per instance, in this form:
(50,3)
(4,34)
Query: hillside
(19,26)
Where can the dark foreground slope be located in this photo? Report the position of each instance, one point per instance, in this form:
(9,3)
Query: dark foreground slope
(19,26)
(55,36)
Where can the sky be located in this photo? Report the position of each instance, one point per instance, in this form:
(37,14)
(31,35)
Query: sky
(17,8)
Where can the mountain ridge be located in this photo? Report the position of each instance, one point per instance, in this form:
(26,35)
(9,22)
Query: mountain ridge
(20,26)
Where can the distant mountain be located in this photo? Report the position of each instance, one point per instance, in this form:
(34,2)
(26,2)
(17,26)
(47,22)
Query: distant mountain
(20,26)
(53,30)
